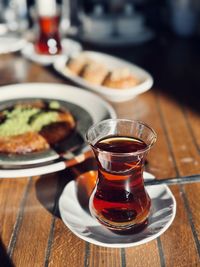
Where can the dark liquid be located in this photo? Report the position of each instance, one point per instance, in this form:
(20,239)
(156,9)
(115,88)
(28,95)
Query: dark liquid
(120,200)
(49,39)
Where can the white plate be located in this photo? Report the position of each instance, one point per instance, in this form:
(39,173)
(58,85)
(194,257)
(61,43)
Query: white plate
(69,47)
(84,226)
(115,95)
(97,108)
(9,44)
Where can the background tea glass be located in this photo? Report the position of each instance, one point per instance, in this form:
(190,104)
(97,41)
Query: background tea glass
(119,200)
(13,17)
(48,16)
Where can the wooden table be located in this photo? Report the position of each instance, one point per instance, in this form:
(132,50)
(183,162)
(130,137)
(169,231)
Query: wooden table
(31,231)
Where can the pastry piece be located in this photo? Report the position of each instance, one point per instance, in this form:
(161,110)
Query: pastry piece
(94,73)
(60,130)
(23,143)
(120,79)
(75,65)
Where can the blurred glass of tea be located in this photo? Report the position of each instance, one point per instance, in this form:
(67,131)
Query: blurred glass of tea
(48,40)
(13,16)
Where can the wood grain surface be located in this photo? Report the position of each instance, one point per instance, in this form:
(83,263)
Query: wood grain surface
(178,242)
(32,232)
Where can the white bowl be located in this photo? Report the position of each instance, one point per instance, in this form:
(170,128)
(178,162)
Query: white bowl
(111,94)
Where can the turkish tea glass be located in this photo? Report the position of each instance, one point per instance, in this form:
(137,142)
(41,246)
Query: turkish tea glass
(119,200)
(48,15)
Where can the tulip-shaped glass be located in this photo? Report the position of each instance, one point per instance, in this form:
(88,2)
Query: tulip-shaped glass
(119,200)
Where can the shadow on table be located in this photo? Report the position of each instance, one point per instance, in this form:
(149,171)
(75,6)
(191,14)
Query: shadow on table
(5,260)
(50,187)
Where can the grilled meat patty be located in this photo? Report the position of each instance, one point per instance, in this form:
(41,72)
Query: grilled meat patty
(23,143)
(32,140)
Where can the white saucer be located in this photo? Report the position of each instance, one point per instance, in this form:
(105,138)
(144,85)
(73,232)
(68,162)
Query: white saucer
(9,44)
(81,223)
(69,47)
(123,38)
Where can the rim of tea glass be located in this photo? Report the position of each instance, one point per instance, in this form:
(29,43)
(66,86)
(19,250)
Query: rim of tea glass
(141,151)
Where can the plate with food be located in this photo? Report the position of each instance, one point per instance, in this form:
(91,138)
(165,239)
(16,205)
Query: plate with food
(115,79)
(10,44)
(40,123)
